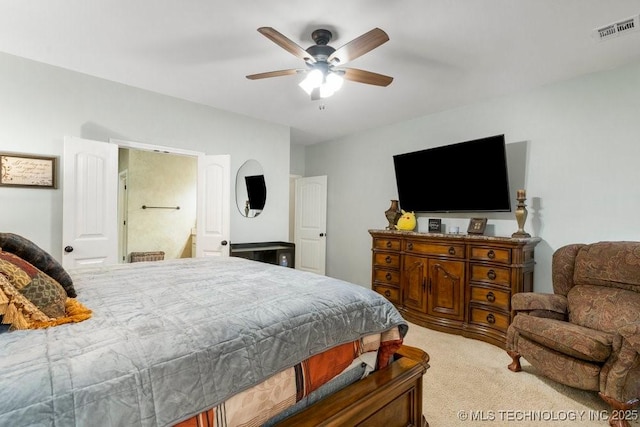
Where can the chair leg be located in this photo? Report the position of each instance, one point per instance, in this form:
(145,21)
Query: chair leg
(515,364)
(620,411)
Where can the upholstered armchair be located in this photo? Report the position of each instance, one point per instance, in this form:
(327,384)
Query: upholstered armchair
(587,333)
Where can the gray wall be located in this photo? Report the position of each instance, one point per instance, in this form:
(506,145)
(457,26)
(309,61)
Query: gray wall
(297,159)
(574,146)
(41,104)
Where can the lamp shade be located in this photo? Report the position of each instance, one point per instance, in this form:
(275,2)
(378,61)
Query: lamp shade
(328,83)
(313,80)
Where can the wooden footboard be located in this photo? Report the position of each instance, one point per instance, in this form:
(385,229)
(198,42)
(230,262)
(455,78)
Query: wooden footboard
(390,397)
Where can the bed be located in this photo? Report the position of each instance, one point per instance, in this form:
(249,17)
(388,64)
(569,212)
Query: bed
(213,341)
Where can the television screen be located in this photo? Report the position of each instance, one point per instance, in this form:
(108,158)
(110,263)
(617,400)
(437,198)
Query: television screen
(256,191)
(469,176)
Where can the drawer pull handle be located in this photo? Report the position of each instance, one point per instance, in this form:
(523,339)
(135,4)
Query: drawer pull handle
(410,246)
(491,254)
(491,275)
(491,318)
(387,293)
(389,244)
(388,276)
(452,250)
(387,259)
(491,297)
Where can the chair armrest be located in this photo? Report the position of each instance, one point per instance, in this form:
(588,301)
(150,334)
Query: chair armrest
(619,375)
(631,335)
(540,305)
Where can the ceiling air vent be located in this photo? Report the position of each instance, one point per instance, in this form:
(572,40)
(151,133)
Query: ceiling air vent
(616,29)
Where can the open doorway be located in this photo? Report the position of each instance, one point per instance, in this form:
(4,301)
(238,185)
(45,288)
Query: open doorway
(90,202)
(157,203)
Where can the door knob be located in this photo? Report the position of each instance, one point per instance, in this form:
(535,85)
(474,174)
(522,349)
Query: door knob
(224,243)
(323,234)
(68,249)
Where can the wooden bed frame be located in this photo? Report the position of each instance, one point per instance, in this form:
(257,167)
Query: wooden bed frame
(390,397)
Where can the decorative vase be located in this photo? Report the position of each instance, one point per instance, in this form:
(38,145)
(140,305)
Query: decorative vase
(521,214)
(393,214)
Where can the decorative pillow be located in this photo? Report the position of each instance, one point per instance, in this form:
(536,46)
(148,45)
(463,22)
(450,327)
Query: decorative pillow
(32,253)
(17,312)
(44,292)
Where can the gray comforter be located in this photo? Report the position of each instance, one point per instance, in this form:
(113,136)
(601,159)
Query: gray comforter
(170,339)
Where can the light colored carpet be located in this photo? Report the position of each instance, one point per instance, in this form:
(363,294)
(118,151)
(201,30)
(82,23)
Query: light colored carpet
(468,384)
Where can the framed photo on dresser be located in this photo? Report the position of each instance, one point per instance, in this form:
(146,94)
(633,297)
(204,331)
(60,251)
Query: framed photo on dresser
(477,225)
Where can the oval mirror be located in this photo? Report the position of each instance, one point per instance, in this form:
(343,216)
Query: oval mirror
(251,189)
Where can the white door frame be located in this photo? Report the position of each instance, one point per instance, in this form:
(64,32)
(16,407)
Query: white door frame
(123,206)
(152,147)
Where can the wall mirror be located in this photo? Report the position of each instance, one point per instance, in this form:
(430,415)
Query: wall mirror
(251,189)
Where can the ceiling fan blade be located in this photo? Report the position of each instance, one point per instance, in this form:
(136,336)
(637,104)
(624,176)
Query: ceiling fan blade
(362,76)
(273,74)
(285,43)
(359,46)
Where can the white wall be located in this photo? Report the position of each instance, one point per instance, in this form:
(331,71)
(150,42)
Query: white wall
(580,168)
(40,104)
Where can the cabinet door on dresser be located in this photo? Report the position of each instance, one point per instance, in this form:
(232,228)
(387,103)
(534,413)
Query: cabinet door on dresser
(414,282)
(446,289)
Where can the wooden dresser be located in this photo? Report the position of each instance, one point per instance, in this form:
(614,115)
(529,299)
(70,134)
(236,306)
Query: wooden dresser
(453,283)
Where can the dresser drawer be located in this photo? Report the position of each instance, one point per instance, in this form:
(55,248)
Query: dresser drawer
(386,259)
(499,255)
(388,244)
(490,274)
(440,249)
(387,277)
(492,319)
(392,294)
(495,297)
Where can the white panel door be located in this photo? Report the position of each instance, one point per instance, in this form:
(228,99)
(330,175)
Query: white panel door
(311,223)
(90,203)
(214,215)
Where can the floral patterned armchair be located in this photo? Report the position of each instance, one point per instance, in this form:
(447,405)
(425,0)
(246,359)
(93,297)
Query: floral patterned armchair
(587,333)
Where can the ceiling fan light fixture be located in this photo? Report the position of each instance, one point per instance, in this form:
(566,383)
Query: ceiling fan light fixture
(332,84)
(321,58)
(334,81)
(313,80)
(327,84)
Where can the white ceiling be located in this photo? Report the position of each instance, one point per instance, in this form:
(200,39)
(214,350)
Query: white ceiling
(441,53)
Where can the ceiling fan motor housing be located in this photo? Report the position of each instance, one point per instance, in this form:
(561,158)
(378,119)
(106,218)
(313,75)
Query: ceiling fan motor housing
(321,51)
(321,36)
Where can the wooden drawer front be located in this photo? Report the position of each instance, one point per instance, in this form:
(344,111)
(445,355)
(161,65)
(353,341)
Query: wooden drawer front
(500,255)
(427,248)
(495,297)
(386,259)
(390,293)
(489,274)
(490,318)
(387,277)
(388,244)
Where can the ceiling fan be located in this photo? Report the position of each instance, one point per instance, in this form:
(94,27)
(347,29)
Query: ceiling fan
(324,63)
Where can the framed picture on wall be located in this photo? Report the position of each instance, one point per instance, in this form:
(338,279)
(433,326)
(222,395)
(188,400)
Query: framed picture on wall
(25,170)
(477,225)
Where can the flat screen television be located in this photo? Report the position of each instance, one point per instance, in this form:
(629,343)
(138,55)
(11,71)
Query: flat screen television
(470,176)
(256,191)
